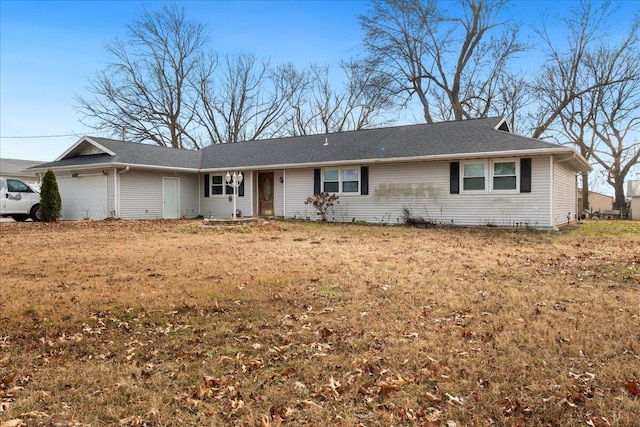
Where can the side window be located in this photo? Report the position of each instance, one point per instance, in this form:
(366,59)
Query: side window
(504,176)
(473,177)
(15,186)
(216,185)
(331,181)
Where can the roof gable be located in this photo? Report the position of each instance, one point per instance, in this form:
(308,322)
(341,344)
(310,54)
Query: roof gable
(86,146)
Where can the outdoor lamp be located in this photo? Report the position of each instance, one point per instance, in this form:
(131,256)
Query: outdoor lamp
(228,177)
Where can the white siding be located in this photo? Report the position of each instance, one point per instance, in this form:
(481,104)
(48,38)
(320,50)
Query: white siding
(221,206)
(189,195)
(84,196)
(111,193)
(565,196)
(635,207)
(141,194)
(424,188)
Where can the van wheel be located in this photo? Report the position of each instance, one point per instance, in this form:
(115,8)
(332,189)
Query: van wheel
(36,213)
(20,218)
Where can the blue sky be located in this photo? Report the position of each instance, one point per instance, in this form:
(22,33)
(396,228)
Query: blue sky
(50,49)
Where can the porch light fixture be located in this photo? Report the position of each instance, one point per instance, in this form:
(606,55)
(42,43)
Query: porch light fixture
(234,181)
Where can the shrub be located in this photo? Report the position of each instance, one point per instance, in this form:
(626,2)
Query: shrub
(323,203)
(417,221)
(50,201)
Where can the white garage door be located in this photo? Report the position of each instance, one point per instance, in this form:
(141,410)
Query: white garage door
(83,197)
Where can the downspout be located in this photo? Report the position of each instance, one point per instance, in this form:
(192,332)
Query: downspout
(117,175)
(552,219)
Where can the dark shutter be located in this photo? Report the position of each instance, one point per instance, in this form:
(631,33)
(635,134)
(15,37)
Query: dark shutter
(316,181)
(241,189)
(525,175)
(206,185)
(364,180)
(454,178)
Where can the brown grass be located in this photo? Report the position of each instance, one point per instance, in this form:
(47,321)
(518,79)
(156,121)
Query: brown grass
(172,323)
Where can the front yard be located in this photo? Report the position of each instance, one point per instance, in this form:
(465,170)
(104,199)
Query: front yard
(173,323)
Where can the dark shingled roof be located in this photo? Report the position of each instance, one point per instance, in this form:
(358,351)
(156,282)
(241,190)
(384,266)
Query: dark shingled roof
(467,137)
(434,139)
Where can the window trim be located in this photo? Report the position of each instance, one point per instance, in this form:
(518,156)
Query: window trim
(341,180)
(516,175)
(463,176)
(224,186)
(489,175)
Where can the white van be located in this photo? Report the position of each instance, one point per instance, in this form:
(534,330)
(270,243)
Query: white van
(19,200)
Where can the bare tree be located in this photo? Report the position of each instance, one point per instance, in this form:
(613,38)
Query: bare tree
(246,99)
(616,118)
(454,64)
(326,106)
(145,91)
(589,93)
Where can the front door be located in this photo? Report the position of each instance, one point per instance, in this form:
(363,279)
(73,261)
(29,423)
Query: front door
(265,193)
(171,200)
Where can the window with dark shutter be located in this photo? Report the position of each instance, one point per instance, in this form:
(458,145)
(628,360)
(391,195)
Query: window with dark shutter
(364,180)
(454,178)
(525,175)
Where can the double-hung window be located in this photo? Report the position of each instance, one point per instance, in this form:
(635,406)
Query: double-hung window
(341,181)
(217,185)
(504,175)
(473,178)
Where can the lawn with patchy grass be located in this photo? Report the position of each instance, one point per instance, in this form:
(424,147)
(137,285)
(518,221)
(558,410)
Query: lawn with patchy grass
(174,323)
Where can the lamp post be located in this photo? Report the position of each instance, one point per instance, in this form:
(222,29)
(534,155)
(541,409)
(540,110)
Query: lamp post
(234,181)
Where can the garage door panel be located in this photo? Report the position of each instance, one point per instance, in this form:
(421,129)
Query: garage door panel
(83,197)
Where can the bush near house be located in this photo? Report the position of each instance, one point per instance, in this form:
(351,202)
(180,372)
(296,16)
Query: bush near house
(50,201)
(323,204)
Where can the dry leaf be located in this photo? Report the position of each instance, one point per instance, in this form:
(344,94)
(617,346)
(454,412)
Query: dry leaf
(632,387)
(13,423)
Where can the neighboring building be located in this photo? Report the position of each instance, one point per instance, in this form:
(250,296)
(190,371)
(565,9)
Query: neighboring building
(598,202)
(633,191)
(471,172)
(14,168)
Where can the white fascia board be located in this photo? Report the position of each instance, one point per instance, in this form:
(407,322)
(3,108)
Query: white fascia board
(119,165)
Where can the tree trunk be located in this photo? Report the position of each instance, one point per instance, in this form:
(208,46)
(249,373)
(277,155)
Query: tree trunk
(620,201)
(585,192)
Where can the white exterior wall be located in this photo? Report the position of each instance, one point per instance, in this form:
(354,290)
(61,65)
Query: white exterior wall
(565,194)
(141,194)
(111,193)
(424,188)
(633,191)
(219,206)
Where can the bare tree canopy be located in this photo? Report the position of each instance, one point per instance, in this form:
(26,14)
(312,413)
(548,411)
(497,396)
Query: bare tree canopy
(454,64)
(146,91)
(246,99)
(323,105)
(164,84)
(590,93)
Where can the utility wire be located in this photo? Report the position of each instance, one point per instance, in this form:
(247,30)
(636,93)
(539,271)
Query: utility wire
(38,136)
